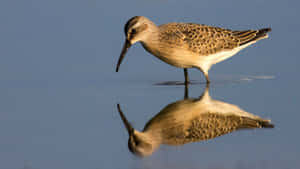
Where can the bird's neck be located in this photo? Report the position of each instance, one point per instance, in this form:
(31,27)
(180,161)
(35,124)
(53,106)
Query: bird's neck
(152,34)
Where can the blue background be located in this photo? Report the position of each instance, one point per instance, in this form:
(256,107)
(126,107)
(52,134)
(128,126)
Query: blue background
(58,88)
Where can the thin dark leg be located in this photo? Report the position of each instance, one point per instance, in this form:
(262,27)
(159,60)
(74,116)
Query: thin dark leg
(207,87)
(207,78)
(186,91)
(186,76)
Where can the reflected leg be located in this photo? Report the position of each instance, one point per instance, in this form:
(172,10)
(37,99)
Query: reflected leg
(186,91)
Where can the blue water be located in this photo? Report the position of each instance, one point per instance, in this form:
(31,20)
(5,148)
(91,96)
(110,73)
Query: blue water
(59,91)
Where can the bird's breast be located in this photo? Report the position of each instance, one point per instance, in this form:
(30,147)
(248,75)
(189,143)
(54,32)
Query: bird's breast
(173,55)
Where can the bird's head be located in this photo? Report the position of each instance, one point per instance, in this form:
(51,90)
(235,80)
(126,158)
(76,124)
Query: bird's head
(138,28)
(138,143)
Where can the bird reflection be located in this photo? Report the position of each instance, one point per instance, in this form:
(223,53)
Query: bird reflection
(190,120)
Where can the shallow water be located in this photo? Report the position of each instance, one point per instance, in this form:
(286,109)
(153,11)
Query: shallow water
(59,92)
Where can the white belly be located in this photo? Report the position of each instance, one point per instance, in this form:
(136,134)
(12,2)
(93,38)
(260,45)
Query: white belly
(183,58)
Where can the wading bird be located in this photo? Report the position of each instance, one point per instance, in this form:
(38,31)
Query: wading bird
(188,45)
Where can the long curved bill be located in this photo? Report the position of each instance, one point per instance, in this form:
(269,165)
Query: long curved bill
(126,46)
(126,123)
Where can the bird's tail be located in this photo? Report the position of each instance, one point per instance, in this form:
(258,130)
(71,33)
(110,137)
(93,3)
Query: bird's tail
(251,35)
(266,124)
(255,123)
(262,33)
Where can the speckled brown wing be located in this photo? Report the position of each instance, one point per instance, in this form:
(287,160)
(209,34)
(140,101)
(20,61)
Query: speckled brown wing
(171,34)
(206,40)
(210,125)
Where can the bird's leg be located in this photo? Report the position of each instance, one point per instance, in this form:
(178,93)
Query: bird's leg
(186,76)
(207,78)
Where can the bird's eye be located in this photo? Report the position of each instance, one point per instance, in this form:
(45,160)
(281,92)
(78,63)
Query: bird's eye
(137,143)
(133,31)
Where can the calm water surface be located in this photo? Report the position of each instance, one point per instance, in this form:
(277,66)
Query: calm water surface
(59,91)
